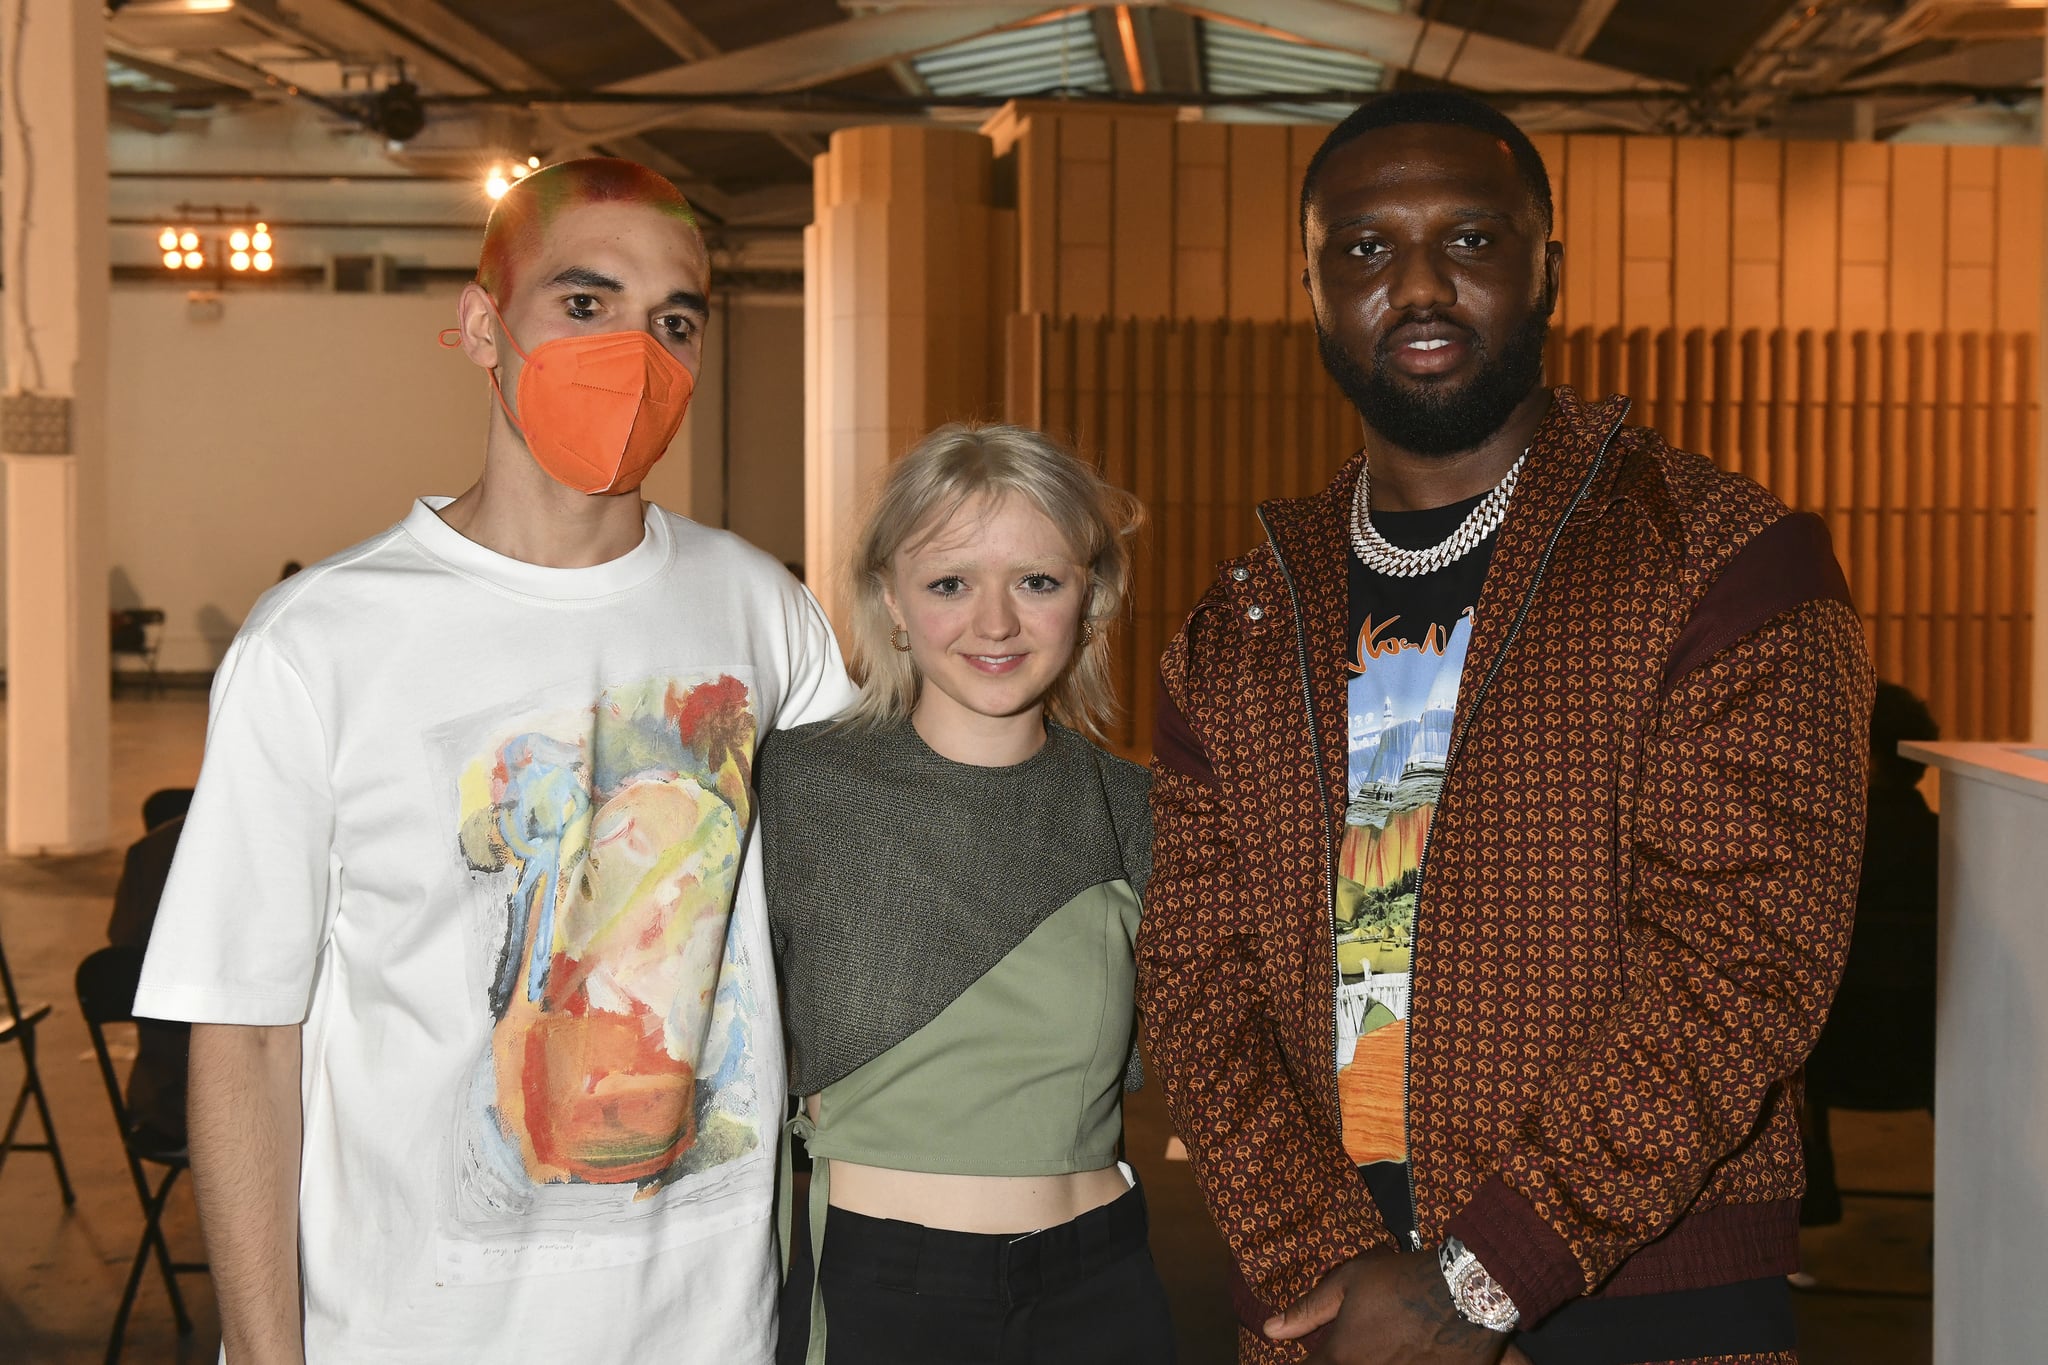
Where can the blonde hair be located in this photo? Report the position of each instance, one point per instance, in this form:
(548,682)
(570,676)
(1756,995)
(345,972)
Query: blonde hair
(953,466)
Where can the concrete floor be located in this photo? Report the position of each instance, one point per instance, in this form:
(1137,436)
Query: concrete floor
(61,1271)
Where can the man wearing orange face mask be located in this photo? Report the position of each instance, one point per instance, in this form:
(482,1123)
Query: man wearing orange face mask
(486,1061)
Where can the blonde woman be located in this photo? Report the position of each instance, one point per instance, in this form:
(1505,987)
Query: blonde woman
(953,875)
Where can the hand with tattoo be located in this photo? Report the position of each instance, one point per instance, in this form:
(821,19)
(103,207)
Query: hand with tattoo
(1389,1309)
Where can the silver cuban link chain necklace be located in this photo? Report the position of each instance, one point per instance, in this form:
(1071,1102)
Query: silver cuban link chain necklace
(1381,556)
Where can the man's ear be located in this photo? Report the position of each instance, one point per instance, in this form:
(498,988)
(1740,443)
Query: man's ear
(476,319)
(1553,273)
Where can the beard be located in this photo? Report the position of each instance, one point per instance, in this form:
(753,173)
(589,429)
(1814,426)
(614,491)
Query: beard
(1442,420)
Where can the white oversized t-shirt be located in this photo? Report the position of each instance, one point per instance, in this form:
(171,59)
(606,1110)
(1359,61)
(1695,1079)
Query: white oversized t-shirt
(485,829)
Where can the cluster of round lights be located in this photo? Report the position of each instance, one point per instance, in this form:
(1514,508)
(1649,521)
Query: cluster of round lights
(248,249)
(501,178)
(181,249)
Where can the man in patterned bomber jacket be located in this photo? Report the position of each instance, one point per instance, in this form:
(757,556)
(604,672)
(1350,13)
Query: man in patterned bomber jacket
(1509,804)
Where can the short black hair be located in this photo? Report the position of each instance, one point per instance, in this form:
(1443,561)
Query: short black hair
(1447,107)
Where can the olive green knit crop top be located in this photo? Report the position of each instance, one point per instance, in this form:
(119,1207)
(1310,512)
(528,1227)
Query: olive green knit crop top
(1020,1075)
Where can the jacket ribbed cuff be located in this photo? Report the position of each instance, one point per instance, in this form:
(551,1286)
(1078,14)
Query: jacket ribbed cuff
(1522,1253)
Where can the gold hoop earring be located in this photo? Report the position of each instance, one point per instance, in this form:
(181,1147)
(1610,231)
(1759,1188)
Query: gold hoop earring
(902,645)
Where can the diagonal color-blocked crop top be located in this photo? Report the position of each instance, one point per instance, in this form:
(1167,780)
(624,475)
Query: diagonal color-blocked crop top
(955,948)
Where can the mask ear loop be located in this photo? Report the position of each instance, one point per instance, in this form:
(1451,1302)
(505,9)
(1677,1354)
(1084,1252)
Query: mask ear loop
(451,337)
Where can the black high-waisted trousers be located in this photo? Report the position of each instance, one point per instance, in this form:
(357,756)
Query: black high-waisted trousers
(1083,1293)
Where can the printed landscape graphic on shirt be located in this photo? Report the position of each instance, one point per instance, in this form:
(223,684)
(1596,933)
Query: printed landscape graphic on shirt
(1402,696)
(607,840)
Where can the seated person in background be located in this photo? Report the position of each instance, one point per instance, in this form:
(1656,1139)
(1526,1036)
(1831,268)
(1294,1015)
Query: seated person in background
(953,873)
(1877,1051)
(156,1085)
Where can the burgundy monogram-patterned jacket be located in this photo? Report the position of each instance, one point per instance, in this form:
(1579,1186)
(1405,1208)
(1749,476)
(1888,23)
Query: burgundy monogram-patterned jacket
(1637,891)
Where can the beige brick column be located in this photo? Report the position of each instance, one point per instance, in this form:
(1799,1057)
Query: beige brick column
(901,324)
(53,193)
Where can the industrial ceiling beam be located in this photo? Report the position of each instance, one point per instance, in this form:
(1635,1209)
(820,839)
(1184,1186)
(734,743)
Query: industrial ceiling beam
(665,21)
(1587,21)
(202,66)
(429,26)
(818,55)
(1805,53)
(1125,74)
(1404,42)
(350,34)
(907,77)
(1176,49)
(1476,60)
(2001,64)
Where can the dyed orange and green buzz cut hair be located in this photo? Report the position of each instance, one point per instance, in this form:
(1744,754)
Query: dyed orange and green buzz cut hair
(520,221)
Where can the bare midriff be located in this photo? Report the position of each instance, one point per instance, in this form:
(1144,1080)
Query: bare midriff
(973,1203)
(969,1203)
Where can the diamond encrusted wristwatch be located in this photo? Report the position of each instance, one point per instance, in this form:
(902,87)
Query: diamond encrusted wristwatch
(1478,1296)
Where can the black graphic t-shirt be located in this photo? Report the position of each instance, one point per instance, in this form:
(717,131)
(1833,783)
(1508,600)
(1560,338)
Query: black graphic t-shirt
(1402,671)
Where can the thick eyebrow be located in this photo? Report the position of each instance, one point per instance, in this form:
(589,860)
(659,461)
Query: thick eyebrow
(1468,214)
(585,278)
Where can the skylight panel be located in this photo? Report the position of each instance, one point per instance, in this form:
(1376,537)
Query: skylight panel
(1061,54)
(1238,61)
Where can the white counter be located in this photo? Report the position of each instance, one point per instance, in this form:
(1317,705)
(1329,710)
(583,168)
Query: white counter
(1991,1055)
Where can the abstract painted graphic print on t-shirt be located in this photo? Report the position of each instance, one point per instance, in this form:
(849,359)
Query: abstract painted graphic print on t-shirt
(1409,639)
(607,841)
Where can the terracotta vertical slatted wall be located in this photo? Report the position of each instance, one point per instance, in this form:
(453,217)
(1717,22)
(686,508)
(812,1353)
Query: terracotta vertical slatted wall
(1203,421)
(1915,447)
(1125,213)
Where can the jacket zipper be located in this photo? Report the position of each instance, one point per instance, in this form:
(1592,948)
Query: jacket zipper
(1315,741)
(1451,756)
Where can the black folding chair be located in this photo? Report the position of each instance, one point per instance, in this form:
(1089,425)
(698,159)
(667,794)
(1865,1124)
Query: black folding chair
(106,995)
(138,631)
(18,1026)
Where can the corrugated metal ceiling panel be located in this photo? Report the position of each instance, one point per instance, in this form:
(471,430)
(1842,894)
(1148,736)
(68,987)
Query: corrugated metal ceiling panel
(1240,61)
(1060,54)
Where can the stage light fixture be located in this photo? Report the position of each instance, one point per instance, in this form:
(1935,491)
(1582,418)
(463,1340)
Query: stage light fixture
(239,261)
(263,261)
(495,184)
(168,239)
(193,260)
(260,238)
(533,163)
(397,112)
(188,240)
(239,240)
(174,259)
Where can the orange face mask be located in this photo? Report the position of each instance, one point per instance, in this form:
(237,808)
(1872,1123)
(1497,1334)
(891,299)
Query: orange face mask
(598,411)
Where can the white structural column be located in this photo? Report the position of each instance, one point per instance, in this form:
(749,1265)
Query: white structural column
(53,194)
(899,325)
(1990,1054)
